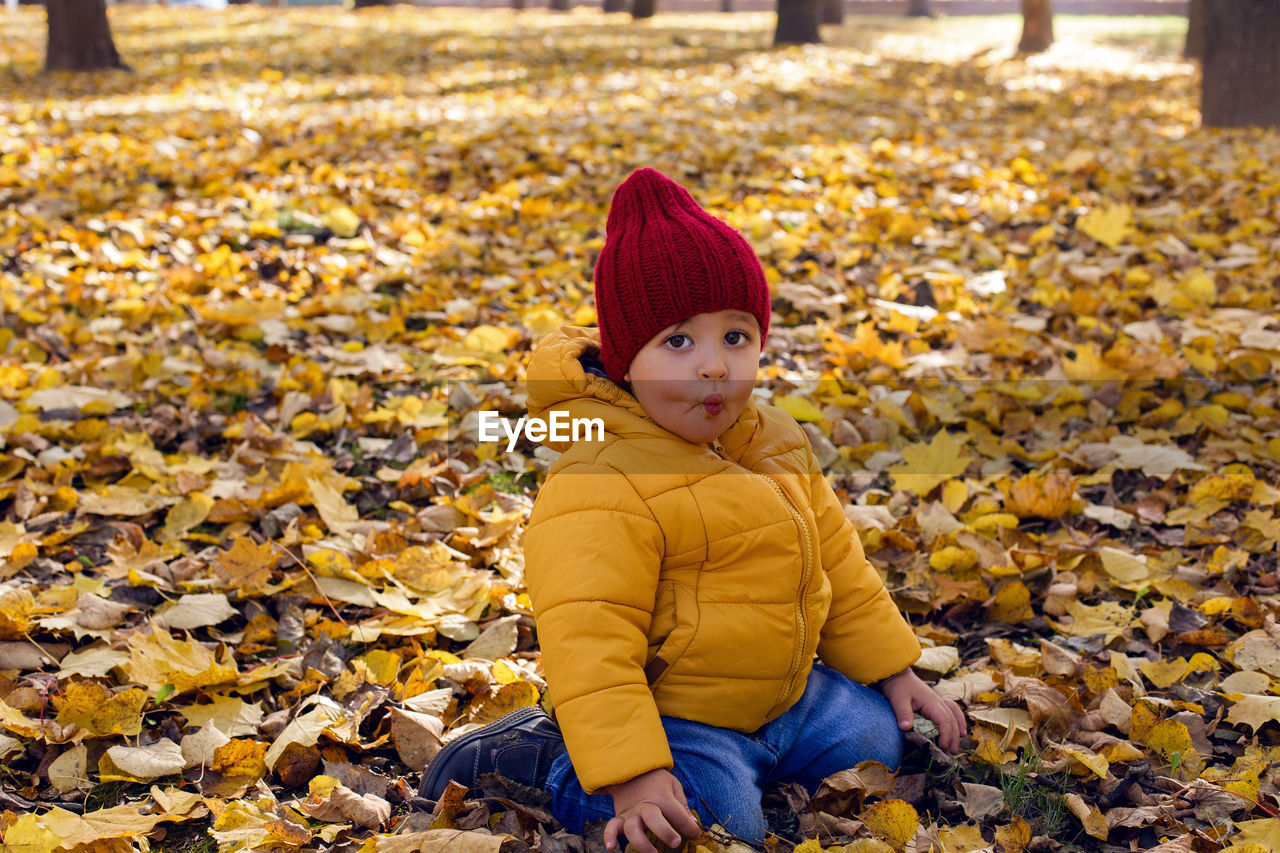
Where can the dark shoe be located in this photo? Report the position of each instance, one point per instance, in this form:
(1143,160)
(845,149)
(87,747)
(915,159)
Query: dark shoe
(520,747)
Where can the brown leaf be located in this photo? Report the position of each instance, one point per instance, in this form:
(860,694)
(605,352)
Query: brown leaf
(297,764)
(417,737)
(1041,496)
(246,567)
(343,804)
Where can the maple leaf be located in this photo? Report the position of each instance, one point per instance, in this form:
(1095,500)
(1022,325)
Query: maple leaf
(1049,496)
(929,465)
(246,566)
(1108,225)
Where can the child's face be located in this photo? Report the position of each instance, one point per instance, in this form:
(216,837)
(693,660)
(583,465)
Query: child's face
(693,378)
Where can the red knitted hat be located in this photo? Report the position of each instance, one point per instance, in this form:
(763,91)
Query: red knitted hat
(664,260)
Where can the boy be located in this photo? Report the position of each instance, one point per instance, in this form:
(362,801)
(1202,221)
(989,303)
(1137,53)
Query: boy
(686,569)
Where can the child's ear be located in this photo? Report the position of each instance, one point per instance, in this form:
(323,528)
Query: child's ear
(626,377)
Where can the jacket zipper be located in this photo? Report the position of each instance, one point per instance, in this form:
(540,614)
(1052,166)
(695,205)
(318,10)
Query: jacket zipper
(805,574)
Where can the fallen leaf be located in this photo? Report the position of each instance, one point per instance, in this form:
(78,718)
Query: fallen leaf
(142,763)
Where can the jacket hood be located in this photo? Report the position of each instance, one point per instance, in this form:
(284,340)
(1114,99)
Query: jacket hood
(558,381)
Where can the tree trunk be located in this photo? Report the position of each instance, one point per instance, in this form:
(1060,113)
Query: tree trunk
(920,8)
(833,12)
(558,5)
(1194,48)
(1037,26)
(1240,84)
(79,37)
(643,9)
(798,22)
(726,5)
(518,5)
(615,5)
(364,4)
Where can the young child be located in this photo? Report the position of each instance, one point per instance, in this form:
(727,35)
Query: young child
(685,570)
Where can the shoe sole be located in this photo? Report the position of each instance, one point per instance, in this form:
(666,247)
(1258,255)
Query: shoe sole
(441,759)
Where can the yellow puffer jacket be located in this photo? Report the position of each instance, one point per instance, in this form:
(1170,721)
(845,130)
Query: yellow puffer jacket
(694,581)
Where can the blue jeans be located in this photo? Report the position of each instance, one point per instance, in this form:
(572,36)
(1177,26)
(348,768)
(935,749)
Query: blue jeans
(835,725)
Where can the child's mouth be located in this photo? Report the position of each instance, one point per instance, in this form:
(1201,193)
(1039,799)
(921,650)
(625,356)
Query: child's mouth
(713,405)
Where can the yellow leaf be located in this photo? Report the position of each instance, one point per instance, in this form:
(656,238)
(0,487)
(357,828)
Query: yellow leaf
(1108,225)
(1199,288)
(866,845)
(1091,761)
(867,342)
(334,564)
(1041,496)
(245,824)
(542,320)
(157,659)
(1170,737)
(1129,571)
(504,699)
(1163,673)
(29,834)
(383,666)
(1011,604)
(951,558)
(437,841)
(1264,832)
(800,408)
(184,516)
(962,839)
(928,465)
(1090,818)
(342,221)
(895,821)
(1121,752)
(240,761)
(94,708)
(338,515)
(246,566)
(1108,617)
(488,339)
(1235,483)
(993,522)
(1015,836)
(1089,365)
(954,495)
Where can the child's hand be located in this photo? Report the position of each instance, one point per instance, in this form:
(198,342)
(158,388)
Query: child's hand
(907,693)
(653,801)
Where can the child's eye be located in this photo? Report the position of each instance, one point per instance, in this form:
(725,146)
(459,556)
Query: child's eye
(736,338)
(677,341)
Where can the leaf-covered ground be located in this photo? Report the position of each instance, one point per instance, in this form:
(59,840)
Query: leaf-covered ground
(256,564)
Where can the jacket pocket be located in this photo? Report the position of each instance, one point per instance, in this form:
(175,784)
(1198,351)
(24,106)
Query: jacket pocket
(663,621)
(675,621)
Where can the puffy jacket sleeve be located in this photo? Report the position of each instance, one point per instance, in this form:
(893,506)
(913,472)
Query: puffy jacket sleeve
(592,555)
(865,636)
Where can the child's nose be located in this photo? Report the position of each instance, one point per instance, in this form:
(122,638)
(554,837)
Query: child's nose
(713,366)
